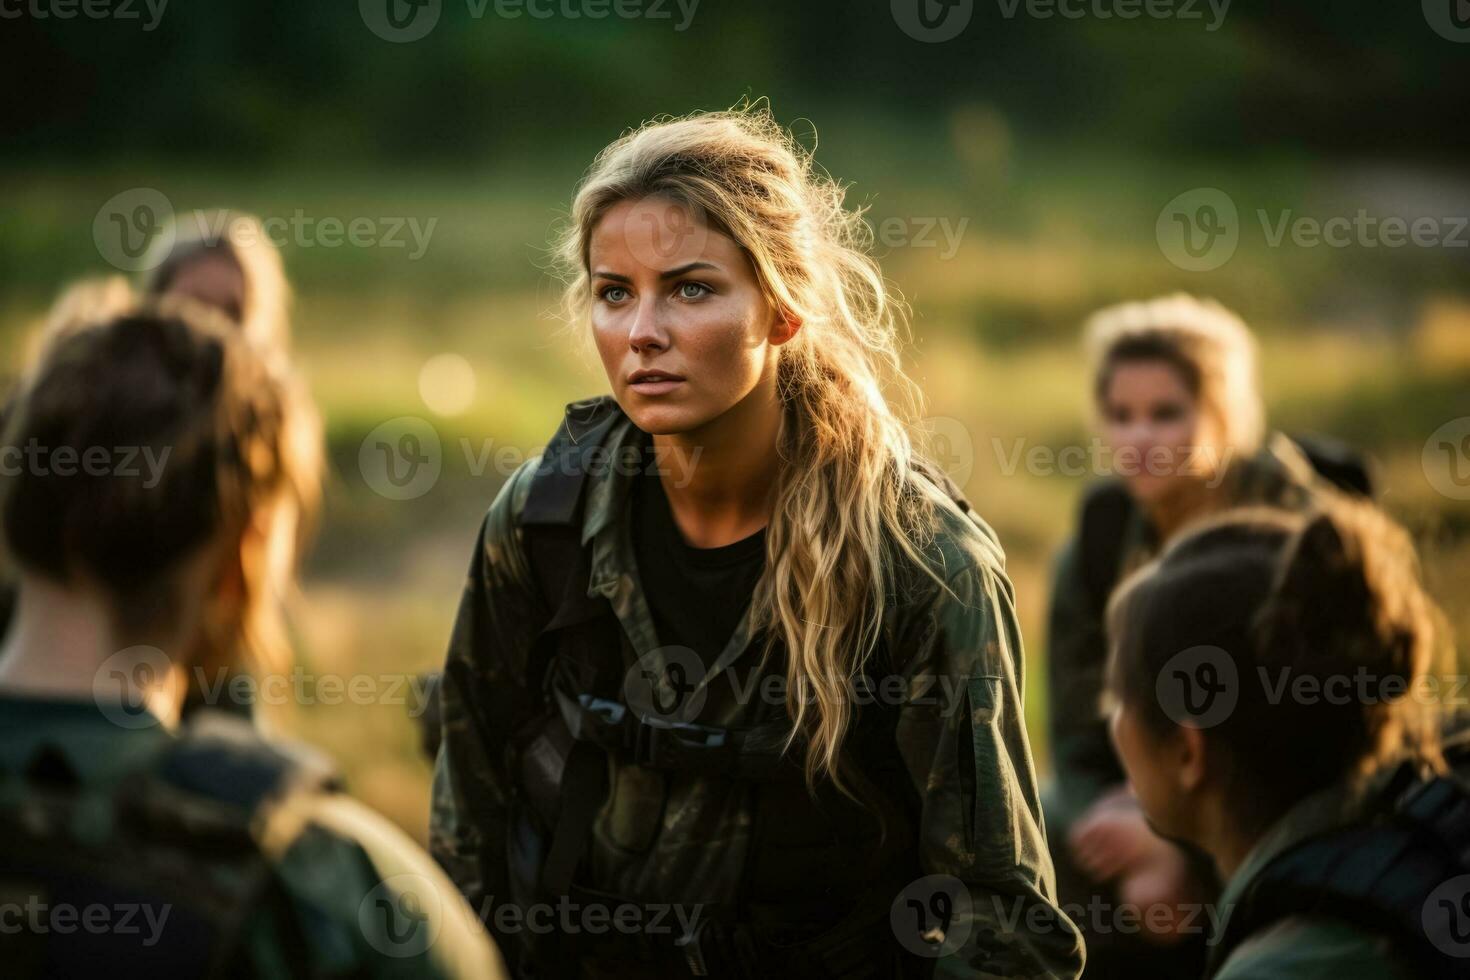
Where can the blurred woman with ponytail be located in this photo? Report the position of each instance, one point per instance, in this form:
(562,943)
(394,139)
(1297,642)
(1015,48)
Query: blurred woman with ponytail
(162,470)
(703,650)
(1274,706)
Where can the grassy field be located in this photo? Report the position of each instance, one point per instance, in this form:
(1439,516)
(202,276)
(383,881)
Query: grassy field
(1373,346)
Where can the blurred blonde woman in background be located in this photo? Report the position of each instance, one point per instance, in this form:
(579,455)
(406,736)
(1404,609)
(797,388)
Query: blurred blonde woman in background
(1178,406)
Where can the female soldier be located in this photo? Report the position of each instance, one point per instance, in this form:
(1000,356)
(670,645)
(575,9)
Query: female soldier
(657,690)
(1269,673)
(158,470)
(1174,385)
(225,260)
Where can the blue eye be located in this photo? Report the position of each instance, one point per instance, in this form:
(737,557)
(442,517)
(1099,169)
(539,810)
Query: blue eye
(608,294)
(699,289)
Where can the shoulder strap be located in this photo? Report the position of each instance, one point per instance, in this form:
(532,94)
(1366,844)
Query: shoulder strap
(1338,463)
(1380,876)
(1106,510)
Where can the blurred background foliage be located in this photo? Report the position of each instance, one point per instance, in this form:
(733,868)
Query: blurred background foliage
(1047,146)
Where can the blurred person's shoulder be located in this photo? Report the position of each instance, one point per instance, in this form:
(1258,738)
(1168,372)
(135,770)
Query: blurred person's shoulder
(1315,946)
(368,900)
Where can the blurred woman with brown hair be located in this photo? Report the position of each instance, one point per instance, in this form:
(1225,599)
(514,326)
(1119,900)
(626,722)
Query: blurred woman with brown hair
(1270,674)
(160,471)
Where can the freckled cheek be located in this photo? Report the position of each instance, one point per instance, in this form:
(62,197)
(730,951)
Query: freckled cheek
(719,352)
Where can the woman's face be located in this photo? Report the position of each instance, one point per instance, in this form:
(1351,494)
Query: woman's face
(214,279)
(682,326)
(1152,763)
(1152,424)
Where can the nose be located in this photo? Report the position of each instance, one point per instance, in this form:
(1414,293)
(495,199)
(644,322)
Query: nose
(646,333)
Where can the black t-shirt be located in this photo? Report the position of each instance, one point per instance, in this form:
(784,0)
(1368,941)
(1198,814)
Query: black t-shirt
(697,595)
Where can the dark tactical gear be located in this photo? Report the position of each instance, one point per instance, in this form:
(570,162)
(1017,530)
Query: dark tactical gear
(211,853)
(550,787)
(1371,884)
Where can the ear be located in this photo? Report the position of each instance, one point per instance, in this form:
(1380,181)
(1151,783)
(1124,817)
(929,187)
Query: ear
(1191,750)
(784,326)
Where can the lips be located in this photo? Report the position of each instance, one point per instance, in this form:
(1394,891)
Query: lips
(647,381)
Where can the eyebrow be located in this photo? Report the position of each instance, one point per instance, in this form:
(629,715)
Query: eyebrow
(669,274)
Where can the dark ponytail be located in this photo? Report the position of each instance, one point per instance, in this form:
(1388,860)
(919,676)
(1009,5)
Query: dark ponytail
(1323,627)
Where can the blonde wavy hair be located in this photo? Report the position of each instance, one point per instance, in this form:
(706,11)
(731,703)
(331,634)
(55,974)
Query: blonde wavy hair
(850,503)
(1211,347)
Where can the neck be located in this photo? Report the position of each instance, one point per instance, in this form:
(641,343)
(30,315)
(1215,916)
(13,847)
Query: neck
(1226,839)
(60,640)
(718,477)
(1189,499)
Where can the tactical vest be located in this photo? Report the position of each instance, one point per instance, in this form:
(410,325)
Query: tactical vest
(180,850)
(1391,874)
(577,668)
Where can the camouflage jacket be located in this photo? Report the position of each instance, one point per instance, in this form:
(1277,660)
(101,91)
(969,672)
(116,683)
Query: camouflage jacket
(1083,761)
(685,839)
(331,868)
